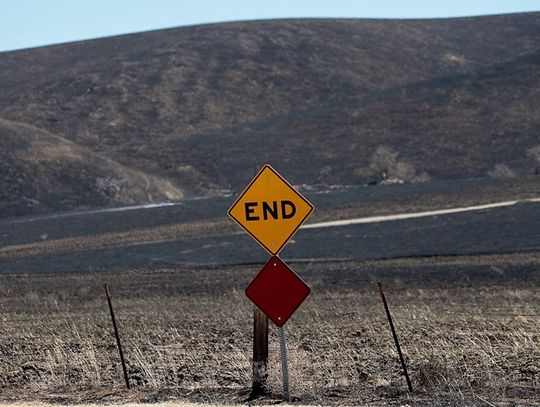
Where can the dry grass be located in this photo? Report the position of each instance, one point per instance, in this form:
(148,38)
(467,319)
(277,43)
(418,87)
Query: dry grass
(466,330)
(169,232)
(166,404)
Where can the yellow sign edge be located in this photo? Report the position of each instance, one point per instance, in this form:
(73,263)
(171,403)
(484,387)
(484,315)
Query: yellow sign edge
(311,209)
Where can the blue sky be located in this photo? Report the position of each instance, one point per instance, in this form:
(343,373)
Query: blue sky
(31,23)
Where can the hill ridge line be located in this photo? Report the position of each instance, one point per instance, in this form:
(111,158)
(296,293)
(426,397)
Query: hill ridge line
(63,139)
(263,20)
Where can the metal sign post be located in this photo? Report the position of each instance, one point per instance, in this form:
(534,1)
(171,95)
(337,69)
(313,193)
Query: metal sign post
(284,363)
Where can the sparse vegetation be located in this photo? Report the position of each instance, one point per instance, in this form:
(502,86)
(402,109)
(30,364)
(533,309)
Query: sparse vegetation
(502,171)
(382,161)
(384,164)
(189,330)
(110,186)
(534,153)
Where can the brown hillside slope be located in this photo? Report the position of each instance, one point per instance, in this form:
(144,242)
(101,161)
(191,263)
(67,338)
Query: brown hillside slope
(39,170)
(452,127)
(204,106)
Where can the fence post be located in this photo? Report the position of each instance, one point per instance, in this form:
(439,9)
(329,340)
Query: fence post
(118,343)
(394,334)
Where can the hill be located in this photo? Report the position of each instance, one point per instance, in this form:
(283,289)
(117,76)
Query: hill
(196,110)
(42,171)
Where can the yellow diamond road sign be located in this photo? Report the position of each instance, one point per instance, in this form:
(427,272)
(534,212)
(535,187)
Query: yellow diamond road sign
(270,210)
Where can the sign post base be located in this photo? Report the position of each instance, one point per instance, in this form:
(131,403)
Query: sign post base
(260,354)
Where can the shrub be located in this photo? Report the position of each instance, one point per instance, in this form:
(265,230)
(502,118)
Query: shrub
(385,165)
(502,171)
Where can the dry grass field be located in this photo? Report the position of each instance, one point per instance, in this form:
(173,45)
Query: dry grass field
(163,404)
(468,327)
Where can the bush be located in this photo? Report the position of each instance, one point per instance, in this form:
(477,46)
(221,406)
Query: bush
(534,152)
(385,165)
(502,171)
(382,160)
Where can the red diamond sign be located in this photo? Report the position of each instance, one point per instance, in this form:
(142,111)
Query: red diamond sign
(277,291)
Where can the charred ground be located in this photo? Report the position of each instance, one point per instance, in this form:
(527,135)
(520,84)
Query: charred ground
(195,110)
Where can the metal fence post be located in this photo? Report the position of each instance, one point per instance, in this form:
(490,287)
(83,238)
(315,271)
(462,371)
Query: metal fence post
(117,336)
(394,334)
